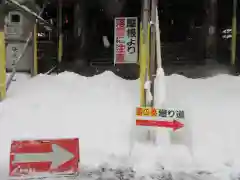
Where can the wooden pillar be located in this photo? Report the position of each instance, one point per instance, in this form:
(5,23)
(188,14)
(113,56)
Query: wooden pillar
(211,34)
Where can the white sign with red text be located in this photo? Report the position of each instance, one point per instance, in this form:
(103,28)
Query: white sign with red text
(126,40)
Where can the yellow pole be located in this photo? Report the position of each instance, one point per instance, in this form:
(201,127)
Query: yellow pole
(144,59)
(144,54)
(2,57)
(60,48)
(60,33)
(144,63)
(35,57)
(234,33)
(148,50)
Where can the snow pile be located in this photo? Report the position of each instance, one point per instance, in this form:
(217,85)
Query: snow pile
(211,105)
(100,111)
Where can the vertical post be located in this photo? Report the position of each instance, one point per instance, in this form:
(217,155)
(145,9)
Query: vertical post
(2,55)
(212,26)
(234,33)
(158,42)
(153,48)
(60,35)
(214,18)
(144,49)
(146,10)
(35,57)
(142,67)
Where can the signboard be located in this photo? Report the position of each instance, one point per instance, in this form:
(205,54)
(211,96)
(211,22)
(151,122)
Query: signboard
(31,157)
(168,118)
(13,51)
(126,40)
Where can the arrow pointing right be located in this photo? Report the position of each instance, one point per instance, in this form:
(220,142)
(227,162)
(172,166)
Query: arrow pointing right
(57,157)
(175,125)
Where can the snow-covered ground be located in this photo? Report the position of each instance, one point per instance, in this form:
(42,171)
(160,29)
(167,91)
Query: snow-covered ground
(100,110)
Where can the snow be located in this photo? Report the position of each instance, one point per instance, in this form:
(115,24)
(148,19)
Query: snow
(100,110)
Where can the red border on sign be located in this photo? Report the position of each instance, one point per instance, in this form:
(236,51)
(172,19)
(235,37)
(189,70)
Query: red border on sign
(44,146)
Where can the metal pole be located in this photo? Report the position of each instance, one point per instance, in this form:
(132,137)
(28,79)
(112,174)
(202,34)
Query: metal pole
(2,55)
(153,48)
(146,10)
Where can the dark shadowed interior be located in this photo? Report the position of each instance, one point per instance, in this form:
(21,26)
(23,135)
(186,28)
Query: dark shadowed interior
(183,24)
